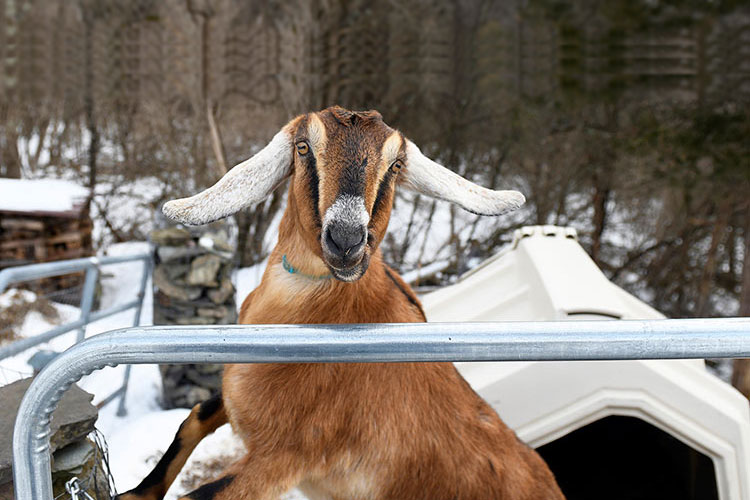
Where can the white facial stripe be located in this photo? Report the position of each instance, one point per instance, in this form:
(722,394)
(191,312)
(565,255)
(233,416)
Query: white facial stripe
(389,153)
(316,134)
(391,147)
(349,210)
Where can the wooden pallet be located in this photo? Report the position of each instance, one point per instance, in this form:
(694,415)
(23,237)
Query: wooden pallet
(28,237)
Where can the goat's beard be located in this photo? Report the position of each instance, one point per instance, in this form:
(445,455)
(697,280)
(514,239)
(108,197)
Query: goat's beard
(353,273)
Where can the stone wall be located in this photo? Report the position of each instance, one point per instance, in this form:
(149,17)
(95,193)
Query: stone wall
(192,286)
(73,453)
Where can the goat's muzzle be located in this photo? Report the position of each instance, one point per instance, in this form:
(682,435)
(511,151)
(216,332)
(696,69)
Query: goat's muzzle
(345,236)
(344,250)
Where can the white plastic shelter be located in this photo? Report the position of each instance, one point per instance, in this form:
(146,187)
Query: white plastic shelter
(546,275)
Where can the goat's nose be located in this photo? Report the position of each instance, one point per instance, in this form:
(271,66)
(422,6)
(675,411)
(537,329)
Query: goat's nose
(345,241)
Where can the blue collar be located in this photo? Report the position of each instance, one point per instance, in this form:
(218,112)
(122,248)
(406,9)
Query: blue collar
(292,270)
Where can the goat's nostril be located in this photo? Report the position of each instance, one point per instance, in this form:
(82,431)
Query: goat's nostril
(332,242)
(356,245)
(343,241)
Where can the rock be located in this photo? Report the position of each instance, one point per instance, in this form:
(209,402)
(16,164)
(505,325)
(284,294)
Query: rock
(168,254)
(222,294)
(171,236)
(210,381)
(186,396)
(196,395)
(73,419)
(197,320)
(203,271)
(73,457)
(6,491)
(165,285)
(181,312)
(208,368)
(193,287)
(91,476)
(177,309)
(213,312)
(216,241)
(176,271)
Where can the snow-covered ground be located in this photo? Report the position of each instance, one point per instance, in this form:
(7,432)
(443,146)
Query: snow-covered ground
(138,439)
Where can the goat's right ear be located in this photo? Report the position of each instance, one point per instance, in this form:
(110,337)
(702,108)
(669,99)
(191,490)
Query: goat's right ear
(427,177)
(246,184)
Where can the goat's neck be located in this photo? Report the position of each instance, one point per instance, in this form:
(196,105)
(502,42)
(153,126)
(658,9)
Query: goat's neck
(283,297)
(292,244)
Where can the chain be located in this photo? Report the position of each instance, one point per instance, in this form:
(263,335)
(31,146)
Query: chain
(75,491)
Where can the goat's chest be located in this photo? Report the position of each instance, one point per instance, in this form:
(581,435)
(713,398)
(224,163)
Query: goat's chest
(315,409)
(339,421)
(288,299)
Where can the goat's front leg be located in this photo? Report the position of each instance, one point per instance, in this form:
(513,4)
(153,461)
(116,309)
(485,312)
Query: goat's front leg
(204,419)
(253,477)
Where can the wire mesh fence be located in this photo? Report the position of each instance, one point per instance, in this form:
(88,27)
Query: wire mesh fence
(20,305)
(98,483)
(30,308)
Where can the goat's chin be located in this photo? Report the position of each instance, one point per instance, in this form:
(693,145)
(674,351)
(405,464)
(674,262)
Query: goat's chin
(353,273)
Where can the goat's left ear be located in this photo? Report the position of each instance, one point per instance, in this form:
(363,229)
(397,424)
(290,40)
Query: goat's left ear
(432,179)
(246,184)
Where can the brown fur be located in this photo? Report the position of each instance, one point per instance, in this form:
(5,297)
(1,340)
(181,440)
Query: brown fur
(406,431)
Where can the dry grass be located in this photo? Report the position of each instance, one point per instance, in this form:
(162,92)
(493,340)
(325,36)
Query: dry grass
(21,304)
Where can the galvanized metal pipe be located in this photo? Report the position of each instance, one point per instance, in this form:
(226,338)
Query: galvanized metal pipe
(91,265)
(87,298)
(512,341)
(37,271)
(146,272)
(21,345)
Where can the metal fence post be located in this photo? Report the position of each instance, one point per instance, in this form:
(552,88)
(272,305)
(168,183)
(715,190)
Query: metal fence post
(87,299)
(146,270)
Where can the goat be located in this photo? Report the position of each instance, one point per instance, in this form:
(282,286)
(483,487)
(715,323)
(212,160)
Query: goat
(402,431)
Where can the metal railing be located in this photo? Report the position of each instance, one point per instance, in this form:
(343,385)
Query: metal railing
(512,341)
(92,267)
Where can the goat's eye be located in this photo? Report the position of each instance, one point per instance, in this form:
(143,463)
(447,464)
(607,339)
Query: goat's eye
(302,148)
(396,166)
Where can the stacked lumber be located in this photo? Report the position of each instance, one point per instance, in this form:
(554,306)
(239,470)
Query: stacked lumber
(32,238)
(32,234)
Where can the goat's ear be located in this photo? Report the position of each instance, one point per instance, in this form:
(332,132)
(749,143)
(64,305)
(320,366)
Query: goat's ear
(427,177)
(247,183)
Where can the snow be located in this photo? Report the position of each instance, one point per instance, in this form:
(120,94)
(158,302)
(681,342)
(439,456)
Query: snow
(246,279)
(428,270)
(42,195)
(127,205)
(139,438)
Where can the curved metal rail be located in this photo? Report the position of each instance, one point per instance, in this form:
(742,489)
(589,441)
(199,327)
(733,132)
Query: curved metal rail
(511,341)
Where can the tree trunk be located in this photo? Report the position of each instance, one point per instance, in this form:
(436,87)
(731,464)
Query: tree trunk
(709,270)
(601,197)
(89,101)
(741,374)
(9,156)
